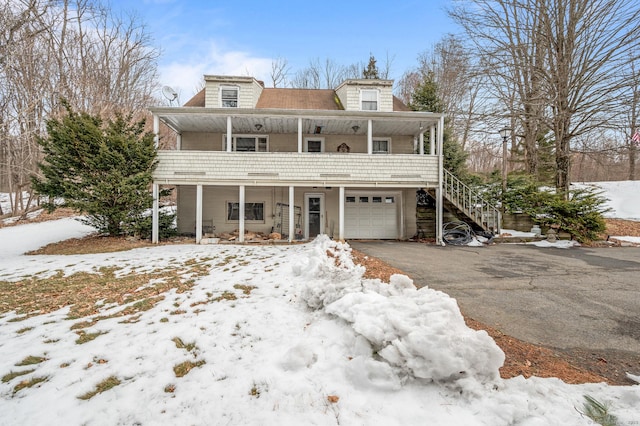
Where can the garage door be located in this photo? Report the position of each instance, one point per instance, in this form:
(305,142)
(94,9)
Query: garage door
(371,215)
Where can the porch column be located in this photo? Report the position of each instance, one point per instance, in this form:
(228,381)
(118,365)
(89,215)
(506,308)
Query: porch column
(292,218)
(198,213)
(440,135)
(341,215)
(229,134)
(432,140)
(440,179)
(179,141)
(369,136)
(241,214)
(154,215)
(156,130)
(421,142)
(299,134)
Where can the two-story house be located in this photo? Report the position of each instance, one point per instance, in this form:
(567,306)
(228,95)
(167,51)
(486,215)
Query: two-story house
(300,162)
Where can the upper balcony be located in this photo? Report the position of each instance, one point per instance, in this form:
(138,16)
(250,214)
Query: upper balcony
(296,169)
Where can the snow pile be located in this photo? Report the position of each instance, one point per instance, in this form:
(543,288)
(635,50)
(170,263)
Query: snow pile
(622,197)
(413,334)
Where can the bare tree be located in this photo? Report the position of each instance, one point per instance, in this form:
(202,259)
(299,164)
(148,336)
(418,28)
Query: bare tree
(564,55)
(279,71)
(78,50)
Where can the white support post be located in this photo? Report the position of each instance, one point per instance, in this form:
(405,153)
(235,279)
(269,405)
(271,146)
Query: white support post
(439,207)
(292,218)
(440,136)
(421,142)
(198,213)
(179,141)
(241,202)
(156,131)
(155,215)
(229,134)
(299,134)
(432,140)
(341,215)
(369,136)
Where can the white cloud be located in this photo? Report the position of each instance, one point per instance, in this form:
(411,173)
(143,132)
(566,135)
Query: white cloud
(185,75)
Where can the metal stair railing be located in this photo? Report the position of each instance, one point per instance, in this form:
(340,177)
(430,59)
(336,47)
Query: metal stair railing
(471,203)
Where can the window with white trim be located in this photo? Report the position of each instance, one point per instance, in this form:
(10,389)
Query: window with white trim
(247,143)
(314,145)
(369,100)
(229,96)
(381,146)
(252,212)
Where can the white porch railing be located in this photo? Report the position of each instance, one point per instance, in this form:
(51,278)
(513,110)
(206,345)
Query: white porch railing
(471,203)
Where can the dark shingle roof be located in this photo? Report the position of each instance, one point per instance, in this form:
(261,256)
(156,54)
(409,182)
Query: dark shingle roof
(197,100)
(319,99)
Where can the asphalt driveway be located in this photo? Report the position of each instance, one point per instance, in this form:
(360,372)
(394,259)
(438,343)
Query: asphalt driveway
(562,298)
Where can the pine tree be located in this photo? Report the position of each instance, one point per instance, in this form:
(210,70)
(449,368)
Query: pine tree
(101,169)
(425,98)
(371,72)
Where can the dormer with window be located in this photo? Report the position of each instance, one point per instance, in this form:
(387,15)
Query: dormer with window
(231,92)
(366,95)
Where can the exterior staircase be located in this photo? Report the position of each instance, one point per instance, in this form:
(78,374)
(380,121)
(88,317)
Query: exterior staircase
(468,205)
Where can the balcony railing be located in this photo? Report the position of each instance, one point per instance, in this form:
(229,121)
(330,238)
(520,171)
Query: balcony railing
(291,168)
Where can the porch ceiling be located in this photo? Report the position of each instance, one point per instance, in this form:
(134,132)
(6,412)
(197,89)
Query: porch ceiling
(214,120)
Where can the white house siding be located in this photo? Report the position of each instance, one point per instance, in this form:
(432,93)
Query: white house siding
(175,167)
(349,94)
(248,94)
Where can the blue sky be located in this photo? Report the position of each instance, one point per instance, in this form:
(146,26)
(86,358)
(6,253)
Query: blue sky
(242,37)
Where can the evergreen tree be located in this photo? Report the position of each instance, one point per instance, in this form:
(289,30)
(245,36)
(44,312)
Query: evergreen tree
(101,169)
(371,71)
(425,98)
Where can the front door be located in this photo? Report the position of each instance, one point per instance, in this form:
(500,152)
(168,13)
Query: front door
(314,206)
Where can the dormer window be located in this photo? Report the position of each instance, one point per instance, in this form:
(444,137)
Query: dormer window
(229,97)
(369,100)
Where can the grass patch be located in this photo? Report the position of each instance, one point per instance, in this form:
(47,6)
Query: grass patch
(170,388)
(31,360)
(103,386)
(28,383)
(227,295)
(186,346)
(24,330)
(82,291)
(183,368)
(13,374)
(90,245)
(246,289)
(84,337)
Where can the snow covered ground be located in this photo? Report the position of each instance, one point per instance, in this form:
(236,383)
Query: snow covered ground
(312,343)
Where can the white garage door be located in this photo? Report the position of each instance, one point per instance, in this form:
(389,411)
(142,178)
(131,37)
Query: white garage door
(371,215)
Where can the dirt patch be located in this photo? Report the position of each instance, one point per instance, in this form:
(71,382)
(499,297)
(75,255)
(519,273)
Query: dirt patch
(621,227)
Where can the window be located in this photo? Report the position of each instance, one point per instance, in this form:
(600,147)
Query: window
(364,199)
(314,145)
(389,200)
(247,143)
(376,199)
(369,100)
(252,211)
(381,146)
(351,199)
(229,97)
